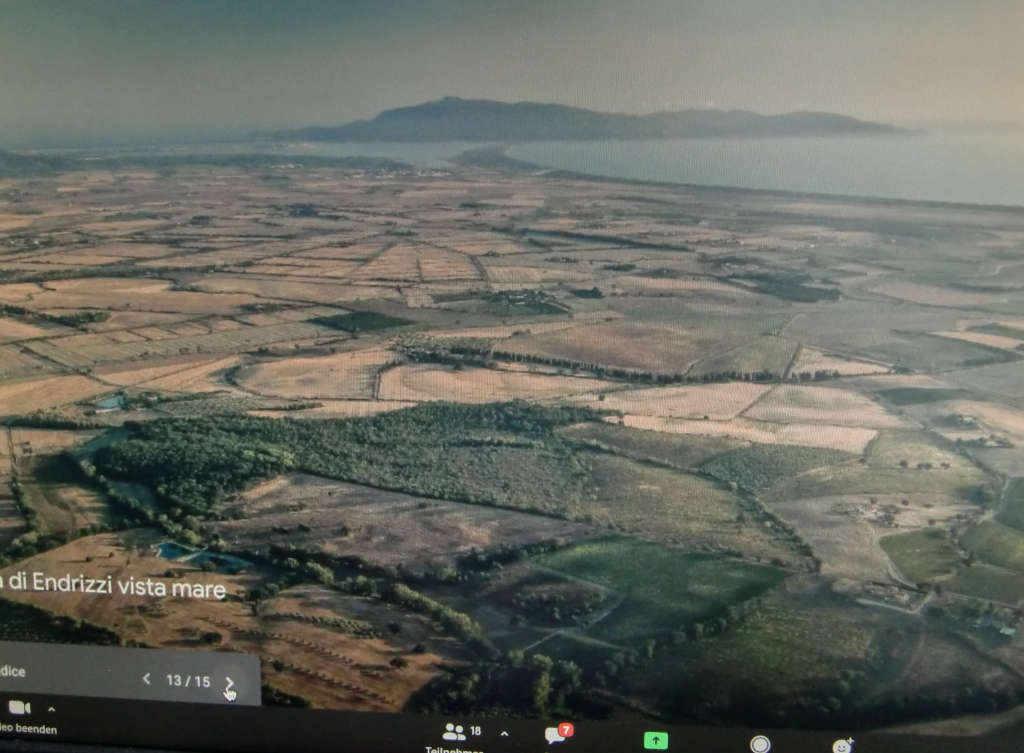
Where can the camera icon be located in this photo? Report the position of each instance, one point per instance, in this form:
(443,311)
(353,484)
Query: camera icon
(19,708)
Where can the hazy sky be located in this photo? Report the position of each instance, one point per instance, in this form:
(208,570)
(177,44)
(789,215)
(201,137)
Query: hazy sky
(104,71)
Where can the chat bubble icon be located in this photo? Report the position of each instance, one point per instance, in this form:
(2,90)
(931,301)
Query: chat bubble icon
(552,735)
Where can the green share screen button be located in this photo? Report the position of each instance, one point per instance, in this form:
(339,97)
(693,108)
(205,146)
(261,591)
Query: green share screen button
(655,740)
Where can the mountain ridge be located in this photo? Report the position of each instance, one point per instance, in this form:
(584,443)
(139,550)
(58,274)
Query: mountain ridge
(457,119)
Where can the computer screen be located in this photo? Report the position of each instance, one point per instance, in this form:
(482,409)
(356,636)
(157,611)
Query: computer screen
(493,376)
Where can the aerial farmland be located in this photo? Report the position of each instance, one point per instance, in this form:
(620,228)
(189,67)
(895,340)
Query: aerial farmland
(684,452)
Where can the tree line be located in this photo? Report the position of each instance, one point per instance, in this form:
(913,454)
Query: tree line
(77,319)
(475,352)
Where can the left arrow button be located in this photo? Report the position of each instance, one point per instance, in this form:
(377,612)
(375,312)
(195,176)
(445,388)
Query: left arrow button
(145,678)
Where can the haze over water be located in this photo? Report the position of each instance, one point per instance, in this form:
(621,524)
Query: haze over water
(972,166)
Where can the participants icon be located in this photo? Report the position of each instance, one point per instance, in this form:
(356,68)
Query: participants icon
(453,732)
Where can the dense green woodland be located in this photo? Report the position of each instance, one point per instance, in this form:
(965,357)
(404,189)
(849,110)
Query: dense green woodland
(760,467)
(504,454)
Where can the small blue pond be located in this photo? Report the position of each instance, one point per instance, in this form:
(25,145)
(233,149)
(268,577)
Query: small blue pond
(114,402)
(224,563)
(171,551)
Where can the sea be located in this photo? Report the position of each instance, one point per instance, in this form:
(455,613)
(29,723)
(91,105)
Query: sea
(974,166)
(965,166)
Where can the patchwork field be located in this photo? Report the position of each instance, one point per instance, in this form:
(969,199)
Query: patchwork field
(729,453)
(159,344)
(284,288)
(126,293)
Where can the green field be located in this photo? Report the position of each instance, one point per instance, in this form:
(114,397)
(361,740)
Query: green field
(987,582)
(893,446)
(760,467)
(663,589)
(630,494)
(678,450)
(920,395)
(857,479)
(781,650)
(996,544)
(670,507)
(767,355)
(361,321)
(1012,513)
(891,467)
(922,556)
(925,352)
(58,505)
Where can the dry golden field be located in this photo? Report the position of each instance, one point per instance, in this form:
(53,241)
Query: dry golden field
(421,383)
(352,375)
